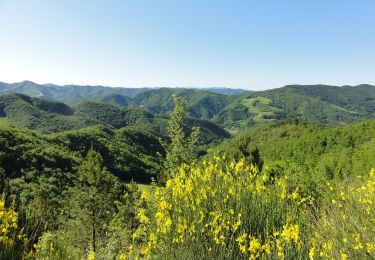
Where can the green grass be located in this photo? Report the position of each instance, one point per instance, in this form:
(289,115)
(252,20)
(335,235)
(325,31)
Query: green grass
(259,106)
(256,105)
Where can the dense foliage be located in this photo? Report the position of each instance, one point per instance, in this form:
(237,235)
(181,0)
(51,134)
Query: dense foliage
(308,152)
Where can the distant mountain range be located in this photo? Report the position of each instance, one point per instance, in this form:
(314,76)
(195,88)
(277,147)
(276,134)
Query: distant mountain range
(72,94)
(69,94)
(232,109)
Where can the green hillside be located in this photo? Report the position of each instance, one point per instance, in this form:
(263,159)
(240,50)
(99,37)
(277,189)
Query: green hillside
(202,104)
(323,104)
(127,139)
(130,153)
(51,117)
(106,114)
(315,151)
(34,113)
(117,99)
(328,105)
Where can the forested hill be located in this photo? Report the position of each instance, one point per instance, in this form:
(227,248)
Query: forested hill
(128,139)
(231,109)
(307,151)
(322,104)
(50,117)
(129,153)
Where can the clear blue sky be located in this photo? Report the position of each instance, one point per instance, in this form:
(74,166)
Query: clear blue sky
(242,44)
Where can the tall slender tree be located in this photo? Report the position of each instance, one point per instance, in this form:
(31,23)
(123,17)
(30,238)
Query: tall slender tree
(182,147)
(92,201)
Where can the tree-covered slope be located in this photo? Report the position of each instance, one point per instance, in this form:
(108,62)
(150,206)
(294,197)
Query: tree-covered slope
(129,153)
(51,117)
(329,105)
(312,150)
(117,99)
(117,117)
(43,115)
(325,104)
(202,104)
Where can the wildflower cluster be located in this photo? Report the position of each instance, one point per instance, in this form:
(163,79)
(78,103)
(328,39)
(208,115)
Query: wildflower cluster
(222,209)
(9,231)
(347,228)
(11,236)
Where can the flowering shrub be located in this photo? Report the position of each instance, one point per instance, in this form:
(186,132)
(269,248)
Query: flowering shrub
(347,227)
(8,224)
(222,210)
(10,234)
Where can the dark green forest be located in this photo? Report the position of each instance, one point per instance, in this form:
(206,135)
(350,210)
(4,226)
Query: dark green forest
(186,173)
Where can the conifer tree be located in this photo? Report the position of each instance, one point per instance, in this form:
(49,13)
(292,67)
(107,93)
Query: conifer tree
(92,201)
(182,148)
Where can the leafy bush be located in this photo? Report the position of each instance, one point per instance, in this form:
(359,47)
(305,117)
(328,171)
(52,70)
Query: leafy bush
(223,211)
(346,228)
(12,238)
